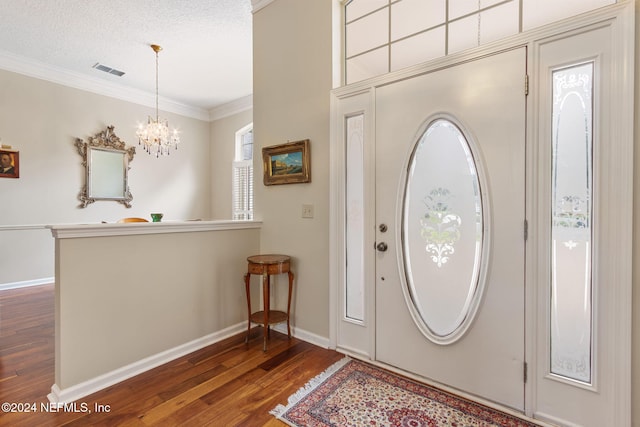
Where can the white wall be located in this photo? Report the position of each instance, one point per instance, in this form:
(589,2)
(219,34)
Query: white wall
(42,121)
(223,142)
(292,80)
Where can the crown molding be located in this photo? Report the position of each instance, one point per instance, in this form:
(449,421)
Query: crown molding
(256,5)
(234,107)
(39,70)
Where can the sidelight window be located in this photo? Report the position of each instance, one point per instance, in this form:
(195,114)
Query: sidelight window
(571,222)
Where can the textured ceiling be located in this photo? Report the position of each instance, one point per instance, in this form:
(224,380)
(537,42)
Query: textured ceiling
(206,59)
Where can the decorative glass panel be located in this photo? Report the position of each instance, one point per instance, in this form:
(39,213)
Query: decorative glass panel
(571,231)
(443,231)
(356,9)
(354,288)
(367,33)
(413,16)
(463,34)
(370,64)
(419,48)
(458,8)
(540,12)
(379,24)
(479,28)
(499,22)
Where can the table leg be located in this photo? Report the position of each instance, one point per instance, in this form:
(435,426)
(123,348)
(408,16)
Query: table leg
(265,305)
(247,281)
(289,304)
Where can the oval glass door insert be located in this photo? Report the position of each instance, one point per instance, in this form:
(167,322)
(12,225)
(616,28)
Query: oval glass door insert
(443,233)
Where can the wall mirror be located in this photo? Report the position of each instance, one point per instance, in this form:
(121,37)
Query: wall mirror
(106,160)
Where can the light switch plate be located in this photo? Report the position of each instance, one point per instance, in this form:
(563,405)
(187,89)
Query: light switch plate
(307,211)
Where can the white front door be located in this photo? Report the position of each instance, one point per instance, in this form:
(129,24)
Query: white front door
(450,189)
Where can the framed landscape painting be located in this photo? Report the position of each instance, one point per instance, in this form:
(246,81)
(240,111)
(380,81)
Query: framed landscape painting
(287,163)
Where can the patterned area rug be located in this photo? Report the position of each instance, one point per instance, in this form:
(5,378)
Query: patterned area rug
(352,393)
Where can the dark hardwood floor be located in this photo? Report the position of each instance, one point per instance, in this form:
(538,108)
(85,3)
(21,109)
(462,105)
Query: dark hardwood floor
(229,383)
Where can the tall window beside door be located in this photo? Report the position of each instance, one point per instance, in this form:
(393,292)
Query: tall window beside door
(243,175)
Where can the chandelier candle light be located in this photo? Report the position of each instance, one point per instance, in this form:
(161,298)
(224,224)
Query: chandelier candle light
(156,136)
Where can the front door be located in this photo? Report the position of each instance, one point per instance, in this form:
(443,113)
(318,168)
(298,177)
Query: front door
(450,210)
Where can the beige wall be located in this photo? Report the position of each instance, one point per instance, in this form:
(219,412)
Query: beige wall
(292,80)
(42,120)
(160,292)
(223,141)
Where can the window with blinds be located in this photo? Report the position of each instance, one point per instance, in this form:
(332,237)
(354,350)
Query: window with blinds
(243,175)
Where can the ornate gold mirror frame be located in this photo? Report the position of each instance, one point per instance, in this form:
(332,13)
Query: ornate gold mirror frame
(106,160)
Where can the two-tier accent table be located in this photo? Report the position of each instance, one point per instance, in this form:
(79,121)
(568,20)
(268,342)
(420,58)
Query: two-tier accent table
(267,265)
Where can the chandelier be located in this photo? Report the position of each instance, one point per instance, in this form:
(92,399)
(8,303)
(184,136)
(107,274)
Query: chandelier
(156,136)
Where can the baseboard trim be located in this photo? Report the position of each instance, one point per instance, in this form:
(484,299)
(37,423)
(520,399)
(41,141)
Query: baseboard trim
(303,335)
(554,421)
(27,283)
(353,352)
(78,391)
(71,394)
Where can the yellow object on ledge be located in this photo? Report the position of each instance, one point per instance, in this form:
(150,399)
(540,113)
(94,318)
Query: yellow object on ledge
(132,220)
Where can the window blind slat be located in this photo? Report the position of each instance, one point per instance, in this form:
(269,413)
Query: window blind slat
(243,190)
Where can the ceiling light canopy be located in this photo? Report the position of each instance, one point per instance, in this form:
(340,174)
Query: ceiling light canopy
(155,135)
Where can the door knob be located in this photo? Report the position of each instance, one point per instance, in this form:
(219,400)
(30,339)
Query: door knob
(382,246)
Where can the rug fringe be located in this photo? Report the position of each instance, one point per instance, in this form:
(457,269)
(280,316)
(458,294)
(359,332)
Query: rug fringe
(279,410)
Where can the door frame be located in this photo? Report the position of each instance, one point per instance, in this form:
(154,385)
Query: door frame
(612,262)
(361,98)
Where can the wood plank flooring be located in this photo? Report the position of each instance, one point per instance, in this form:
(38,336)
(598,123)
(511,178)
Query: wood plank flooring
(229,383)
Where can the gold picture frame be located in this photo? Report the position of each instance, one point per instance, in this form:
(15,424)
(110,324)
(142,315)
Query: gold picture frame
(287,163)
(9,163)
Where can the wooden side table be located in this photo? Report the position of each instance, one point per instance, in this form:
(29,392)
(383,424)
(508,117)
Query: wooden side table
(267,265)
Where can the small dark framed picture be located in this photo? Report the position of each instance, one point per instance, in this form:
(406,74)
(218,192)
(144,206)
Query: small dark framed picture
(287,163)
(9,164)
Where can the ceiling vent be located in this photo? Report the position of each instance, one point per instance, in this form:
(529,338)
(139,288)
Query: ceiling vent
(99,66)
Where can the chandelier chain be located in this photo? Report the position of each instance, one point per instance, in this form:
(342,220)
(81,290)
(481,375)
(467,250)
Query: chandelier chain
(479,18)
(157,90)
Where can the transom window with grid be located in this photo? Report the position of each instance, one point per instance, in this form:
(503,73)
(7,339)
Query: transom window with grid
(386,35)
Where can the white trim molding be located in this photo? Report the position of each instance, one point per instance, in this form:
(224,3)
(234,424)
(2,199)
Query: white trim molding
(23,227)
(256,5)
(304,335)
(131,228)
(39,70)
(60,396)
(27,283)
(234,107)
(78,391)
